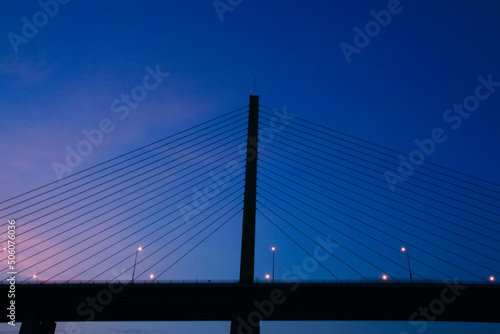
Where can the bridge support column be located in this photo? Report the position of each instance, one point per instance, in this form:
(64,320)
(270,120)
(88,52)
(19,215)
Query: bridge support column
(47,327)
(249,205)
(243,322)
(31,324)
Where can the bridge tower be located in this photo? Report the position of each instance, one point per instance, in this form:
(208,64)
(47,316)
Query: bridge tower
(241,315)
(249,205)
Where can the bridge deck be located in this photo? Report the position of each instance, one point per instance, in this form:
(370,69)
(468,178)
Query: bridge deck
(270,301)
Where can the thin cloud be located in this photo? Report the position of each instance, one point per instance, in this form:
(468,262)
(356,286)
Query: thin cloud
(25,72)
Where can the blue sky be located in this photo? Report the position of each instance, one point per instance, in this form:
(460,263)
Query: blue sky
(64,78)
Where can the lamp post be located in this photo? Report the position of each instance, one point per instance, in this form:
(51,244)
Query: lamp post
(405,250)
(273,249)
(135,262)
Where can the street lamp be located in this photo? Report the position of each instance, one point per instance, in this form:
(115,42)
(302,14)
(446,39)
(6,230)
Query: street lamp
(405,250)
(384,277)
(268,276)
(135,262)
(152,276)
(35,277)
(492,278)
(273,250)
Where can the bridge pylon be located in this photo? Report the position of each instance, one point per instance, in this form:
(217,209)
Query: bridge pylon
(249,207)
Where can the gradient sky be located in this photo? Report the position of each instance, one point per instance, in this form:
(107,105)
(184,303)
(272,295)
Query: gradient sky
(63,79)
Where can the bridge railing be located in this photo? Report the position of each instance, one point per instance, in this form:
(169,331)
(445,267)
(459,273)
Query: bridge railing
(228,282)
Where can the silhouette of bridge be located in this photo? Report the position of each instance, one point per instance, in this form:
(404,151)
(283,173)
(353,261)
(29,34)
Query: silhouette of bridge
(326,192)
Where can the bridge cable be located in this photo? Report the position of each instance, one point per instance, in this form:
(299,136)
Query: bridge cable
(369,168)
(119,191)
(148,245)
(446,204)
(199,243)
(184,243)
(106,228)
(403,212)
(97,233)
(120,222)
(122,155)
(151,233)
(295,190)
(292,120)
(338,231)
(389,198)
(120,176)
(395,151)
(397,228)
(100,251)
(298,244)
(375,157)
(304,234)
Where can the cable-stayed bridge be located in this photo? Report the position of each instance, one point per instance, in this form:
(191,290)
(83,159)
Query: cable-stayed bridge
(323,196)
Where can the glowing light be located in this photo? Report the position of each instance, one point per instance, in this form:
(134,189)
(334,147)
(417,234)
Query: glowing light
(268,276)
(403,249)
(384,277)
(273,248)
(5,248)
(34,276)
(492,278)
(152,276)
(139,248)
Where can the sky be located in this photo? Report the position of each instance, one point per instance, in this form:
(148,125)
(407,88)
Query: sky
(388,72)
